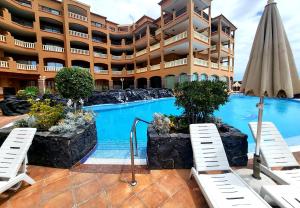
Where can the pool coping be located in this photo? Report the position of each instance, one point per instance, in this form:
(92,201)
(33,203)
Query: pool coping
(113,161)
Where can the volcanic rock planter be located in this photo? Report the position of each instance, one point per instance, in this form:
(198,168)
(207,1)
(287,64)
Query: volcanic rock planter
(174,151)
(59,151)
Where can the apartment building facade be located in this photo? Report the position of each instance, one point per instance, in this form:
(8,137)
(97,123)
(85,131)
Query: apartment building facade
(38,38)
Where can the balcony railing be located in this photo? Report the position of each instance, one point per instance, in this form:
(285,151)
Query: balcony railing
(78,16)
(200,62)
(26,67)
(158,31)
(53,48)
(155,47)
(78,34)
(141,70)
(80,51)
(52,68)
(142,52)
(116,57)
(155,67)
(117,72)
(3,64)
(213,48)
(176,38)
(130,72)
(129,56)
(225,48)
(101,71)
(224,67)
(231,68)
(100,55)
(2,38)
(178,62)
(23,3)
(201,37)
(24,44)
(214,65)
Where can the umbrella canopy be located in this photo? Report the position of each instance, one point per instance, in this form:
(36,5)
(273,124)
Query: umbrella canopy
(271,69)
(236,84)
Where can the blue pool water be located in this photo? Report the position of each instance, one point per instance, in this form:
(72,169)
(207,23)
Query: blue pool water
(114,121)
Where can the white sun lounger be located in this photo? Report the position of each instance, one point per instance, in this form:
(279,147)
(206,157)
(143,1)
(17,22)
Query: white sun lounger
(13,158)
(285,196)
(220,190)
(276,154)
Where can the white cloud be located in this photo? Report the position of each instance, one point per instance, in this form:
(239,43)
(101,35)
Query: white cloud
(243,13)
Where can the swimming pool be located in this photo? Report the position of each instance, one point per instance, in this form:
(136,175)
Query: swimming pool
(114,121)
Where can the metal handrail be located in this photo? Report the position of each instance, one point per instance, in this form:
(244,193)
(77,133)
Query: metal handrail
(132,152)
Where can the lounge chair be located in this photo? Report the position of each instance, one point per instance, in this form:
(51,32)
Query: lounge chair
(219,184)
(285,196)
(13,159)
(276,155)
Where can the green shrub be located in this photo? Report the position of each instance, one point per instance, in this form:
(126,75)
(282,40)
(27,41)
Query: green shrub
(28,93)
(45,115)
(74,83)
(200,99)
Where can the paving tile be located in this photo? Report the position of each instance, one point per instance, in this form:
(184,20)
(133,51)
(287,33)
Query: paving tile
(29,199)
(118,193)
(55,175)
(133,202)
(98,201)
(87,190)
(56,187)
(153,196)
(108,180)
(64,199)
(170,183)
(79,178)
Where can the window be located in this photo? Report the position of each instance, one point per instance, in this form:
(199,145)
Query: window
(50,28)
(28,62)
(98,68)
(97,24)
(50,10)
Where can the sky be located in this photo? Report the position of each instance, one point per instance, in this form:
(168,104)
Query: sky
(244,14)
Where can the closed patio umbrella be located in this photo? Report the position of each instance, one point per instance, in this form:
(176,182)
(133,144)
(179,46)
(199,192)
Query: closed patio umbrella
(271,70)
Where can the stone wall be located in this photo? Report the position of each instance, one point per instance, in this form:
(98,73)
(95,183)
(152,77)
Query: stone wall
(174,151)
(59,151)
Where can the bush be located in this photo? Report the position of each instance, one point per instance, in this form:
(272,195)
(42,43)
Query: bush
(72,122)
(28,93)
(200,99)
(45,115)
(161,123)
(74,83)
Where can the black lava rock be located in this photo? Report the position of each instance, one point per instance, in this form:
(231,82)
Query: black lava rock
(11,106)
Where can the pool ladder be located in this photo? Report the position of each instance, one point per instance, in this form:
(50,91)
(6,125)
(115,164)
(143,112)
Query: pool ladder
(134,147)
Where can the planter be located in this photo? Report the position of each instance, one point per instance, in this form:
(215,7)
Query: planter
(174,151)
(59,151)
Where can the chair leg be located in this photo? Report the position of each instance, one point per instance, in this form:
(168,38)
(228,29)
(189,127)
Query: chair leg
(28,179)
(191,175)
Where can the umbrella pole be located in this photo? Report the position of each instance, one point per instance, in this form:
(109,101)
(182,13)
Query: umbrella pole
(256,159)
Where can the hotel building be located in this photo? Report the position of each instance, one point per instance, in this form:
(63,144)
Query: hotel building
(39,37)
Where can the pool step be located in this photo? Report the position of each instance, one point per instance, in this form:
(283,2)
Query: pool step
(117,154)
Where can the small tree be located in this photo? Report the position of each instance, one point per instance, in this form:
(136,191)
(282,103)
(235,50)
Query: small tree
(200,99)
(74,83)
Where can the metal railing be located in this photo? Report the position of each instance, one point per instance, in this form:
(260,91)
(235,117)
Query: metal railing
(132,151)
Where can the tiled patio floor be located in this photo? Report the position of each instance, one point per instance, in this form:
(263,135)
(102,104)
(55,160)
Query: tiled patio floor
(64,188)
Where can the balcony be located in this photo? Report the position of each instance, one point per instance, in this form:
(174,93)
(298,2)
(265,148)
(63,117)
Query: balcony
(141,70)
(130,72)
(155,67)
(213,48)
(158,31)
(175,63)
(155,47)
(78,16)
(142,52)
(202,15)
(78,34)
(128,57)
(100,55)
(53,48)
(176,38)
(2,38)
(224,67)
(200,62)
(214,65)
(26,67)
(116,57)
(101,71)
(80,51)
(4,64)
(24,44)
(52,68)
(117,72)
(201,37)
